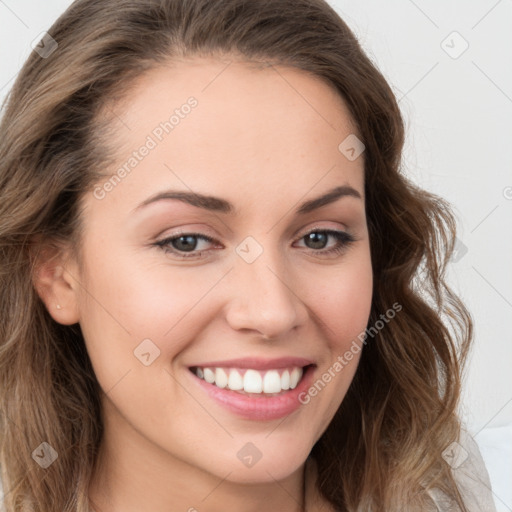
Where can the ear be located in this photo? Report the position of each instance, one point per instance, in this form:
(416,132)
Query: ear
(53,280)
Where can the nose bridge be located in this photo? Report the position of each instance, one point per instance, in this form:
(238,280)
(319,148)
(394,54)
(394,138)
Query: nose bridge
(262,298)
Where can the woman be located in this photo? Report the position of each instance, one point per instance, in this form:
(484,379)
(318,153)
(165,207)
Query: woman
(219,291)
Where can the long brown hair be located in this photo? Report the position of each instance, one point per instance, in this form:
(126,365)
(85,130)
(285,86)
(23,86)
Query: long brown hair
(383,449)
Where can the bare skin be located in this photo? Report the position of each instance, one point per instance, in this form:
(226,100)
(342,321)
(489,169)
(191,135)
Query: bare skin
(266,140)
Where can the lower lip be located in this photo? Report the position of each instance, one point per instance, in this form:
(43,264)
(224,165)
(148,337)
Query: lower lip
(258,407)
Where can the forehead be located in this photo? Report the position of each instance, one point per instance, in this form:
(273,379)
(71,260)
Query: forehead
(233,80)
(211,123)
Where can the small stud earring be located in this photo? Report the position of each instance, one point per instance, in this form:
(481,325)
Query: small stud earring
(59,306)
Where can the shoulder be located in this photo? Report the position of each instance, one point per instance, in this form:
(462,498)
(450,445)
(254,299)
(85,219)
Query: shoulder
(469,471)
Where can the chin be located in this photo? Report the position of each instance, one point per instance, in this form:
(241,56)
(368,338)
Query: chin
(273,465)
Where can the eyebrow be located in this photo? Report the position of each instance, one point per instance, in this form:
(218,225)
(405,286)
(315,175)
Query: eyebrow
(217,204)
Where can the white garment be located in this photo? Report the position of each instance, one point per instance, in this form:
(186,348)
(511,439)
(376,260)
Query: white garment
(470,473)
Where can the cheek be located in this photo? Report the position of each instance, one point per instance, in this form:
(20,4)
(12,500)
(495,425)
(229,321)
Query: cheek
(342,308)
(140,299)
(127,301)
(343,303)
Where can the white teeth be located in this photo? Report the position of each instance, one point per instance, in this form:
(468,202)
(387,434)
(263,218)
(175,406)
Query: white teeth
(285,380)
(236,381)
(209,375)
(221,378)
(252,381)
(272,382)
(295,377)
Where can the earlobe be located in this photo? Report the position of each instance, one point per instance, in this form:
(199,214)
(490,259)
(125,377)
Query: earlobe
(55,285)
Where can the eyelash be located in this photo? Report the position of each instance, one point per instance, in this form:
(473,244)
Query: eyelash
(344,241)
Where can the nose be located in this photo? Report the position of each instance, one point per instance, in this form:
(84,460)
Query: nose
(263,300)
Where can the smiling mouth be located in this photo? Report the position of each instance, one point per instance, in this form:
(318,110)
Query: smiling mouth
(248,381)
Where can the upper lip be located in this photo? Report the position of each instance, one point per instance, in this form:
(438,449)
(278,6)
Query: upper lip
(257,363)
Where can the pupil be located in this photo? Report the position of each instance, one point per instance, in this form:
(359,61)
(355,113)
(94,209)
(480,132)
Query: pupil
(189,243)
(317,238)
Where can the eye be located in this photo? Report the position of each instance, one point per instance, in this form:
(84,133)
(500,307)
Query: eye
(185,242)
(185,245)
(317,240)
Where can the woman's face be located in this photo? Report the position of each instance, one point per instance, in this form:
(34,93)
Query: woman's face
(254,307)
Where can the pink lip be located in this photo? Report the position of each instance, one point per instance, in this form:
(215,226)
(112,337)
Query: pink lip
(258,408)
(257,363)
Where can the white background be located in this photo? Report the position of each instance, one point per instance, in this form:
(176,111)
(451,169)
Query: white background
(458,114)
